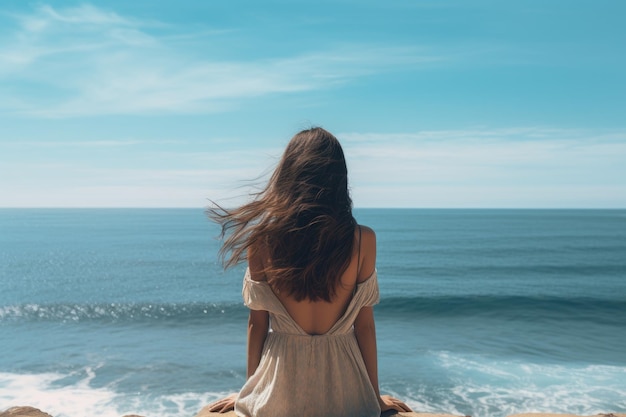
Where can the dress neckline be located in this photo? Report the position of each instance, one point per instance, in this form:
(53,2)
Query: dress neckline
(265,284)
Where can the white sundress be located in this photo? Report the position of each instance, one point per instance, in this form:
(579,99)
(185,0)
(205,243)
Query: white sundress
(304,375)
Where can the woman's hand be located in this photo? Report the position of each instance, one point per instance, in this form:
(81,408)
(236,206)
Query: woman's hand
(387,402)
(224,405)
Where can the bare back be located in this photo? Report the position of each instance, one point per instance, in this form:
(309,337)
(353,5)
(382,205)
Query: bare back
(318,317)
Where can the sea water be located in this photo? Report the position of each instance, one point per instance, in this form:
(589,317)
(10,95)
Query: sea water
(483,312)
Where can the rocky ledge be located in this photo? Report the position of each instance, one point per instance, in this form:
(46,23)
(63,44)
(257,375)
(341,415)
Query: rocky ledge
(34,412)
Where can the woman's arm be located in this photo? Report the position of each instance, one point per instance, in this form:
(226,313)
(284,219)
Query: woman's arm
(365,332)
(258,326)
(258,321)
(365,328)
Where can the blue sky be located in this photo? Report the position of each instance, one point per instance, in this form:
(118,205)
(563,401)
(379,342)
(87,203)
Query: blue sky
(437,103)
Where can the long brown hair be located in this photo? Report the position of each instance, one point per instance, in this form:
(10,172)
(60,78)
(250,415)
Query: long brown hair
(303,217)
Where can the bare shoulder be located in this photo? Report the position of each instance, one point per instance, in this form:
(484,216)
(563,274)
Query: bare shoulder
(367,260)
(256,256)
(367,232)
(368,239)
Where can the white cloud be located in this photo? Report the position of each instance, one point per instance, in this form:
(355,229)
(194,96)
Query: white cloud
(47,19)
(87,61)
(173,179)
(515,167)
(48,32)
(32,144)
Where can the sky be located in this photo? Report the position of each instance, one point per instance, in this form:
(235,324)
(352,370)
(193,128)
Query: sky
(438,104)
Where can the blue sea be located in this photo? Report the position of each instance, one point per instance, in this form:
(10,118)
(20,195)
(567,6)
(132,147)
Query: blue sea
(483,312)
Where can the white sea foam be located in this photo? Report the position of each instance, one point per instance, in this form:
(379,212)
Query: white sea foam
(474,385)
(488,387)
(43,391)
(48,392)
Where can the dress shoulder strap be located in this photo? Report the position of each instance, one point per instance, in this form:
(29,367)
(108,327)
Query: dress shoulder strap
(358,259)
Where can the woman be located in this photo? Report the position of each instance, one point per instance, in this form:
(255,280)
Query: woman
(310,285)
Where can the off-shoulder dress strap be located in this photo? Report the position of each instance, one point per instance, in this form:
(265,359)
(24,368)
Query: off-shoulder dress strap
(358,259)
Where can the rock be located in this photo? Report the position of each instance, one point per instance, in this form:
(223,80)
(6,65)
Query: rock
(206,413)
(34,412)
(24,412)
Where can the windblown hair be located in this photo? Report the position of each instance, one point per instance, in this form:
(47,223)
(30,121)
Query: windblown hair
(303,217)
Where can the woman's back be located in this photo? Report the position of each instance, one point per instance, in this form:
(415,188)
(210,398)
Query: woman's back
(318,317)
(311,363)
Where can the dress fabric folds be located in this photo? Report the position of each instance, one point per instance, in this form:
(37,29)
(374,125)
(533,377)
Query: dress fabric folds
(304,375)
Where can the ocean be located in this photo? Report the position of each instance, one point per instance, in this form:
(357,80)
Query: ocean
(483,312)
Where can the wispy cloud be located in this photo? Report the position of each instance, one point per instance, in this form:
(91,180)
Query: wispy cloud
(88,61)
(84,15)
(509,167)
(116,176)
(48,33)
(480,167)
(32,144)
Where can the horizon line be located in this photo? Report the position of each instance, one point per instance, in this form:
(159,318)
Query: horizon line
(354,208)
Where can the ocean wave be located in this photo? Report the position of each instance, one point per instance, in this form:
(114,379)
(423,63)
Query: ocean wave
(120,312)
(611,312)
(507,307)
(483,386)
(471,385)
(49,392)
